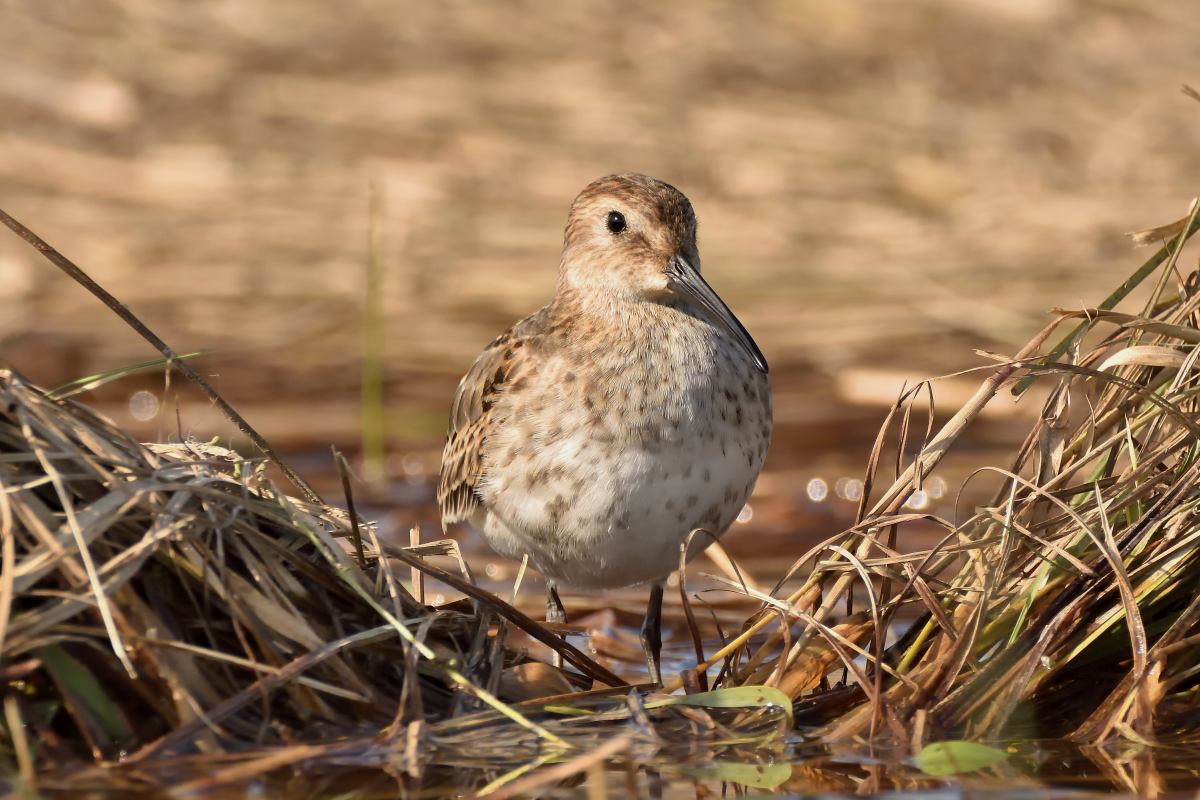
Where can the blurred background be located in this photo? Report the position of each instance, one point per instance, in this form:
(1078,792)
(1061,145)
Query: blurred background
(312,192)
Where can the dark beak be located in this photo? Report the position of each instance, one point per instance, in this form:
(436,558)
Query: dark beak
(685,279)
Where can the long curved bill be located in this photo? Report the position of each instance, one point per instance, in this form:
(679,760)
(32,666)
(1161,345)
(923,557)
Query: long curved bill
(684,278)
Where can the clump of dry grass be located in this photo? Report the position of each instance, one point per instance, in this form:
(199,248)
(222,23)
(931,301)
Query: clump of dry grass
(1069,604)
(160,597)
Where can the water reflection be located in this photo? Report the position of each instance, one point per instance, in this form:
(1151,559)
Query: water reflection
(662,768)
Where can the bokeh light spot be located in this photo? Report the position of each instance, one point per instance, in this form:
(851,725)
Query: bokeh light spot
(143,405)
(848,488)
(414,470)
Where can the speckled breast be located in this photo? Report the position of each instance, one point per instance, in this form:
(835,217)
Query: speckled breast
(624,451)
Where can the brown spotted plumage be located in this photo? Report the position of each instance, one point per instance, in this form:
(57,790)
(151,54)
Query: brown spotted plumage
(597,434)
(496,370)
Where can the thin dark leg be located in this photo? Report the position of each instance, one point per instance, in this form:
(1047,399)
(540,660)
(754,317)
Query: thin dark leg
(652,632)
(555,615)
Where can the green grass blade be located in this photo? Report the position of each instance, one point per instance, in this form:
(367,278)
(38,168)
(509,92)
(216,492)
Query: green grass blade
(374,434)
(76,681)
(90,382)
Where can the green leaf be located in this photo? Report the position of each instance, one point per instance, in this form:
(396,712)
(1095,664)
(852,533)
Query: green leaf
(954,758)
(76,682)
(760,776)
(734,697)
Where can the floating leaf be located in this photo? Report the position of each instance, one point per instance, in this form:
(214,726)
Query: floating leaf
(954,757)
(760,776)
(734,697)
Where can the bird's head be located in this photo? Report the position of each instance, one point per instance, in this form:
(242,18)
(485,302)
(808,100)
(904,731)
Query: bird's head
(633,237)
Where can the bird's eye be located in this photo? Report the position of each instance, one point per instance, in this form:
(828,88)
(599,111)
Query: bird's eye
(616,221)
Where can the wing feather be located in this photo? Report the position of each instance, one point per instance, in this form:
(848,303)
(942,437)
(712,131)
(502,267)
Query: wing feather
(472,415)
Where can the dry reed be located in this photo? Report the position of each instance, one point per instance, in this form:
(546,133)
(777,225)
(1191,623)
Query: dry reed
(1066,606)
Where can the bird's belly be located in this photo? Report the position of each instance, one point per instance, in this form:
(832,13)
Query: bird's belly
(597,515)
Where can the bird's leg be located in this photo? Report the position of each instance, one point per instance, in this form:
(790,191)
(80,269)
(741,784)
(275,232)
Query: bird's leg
(652,632)
(555,615)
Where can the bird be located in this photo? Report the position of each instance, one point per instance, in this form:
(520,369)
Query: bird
(596,435)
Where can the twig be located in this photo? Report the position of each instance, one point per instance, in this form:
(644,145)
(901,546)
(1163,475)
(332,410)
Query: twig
(513,615)
(121,310)
(355,533)
(418,577)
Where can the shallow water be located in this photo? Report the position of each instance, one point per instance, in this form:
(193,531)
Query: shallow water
(1037,770)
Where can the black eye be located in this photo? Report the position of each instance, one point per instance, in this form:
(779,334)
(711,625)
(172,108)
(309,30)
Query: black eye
(616,221)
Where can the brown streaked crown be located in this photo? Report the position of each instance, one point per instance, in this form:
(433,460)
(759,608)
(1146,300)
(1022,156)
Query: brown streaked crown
(659,222)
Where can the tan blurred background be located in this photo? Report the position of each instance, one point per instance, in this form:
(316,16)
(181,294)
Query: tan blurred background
(882,188)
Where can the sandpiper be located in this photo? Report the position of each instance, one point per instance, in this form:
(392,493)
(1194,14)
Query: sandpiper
(595,435)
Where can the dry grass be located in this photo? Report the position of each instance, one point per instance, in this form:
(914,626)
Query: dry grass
(164,600)
(160,595)
(1065,606)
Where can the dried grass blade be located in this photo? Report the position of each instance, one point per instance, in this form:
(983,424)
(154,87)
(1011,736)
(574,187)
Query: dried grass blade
(1183,333)
(85,555)
(454,675)
(183,734)
(513,615)
(8,557)
(1146,355)
(20,742)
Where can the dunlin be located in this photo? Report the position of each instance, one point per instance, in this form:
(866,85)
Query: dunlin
(595,435)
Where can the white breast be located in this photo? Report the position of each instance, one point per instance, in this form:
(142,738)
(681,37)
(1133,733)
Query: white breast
(600,484)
